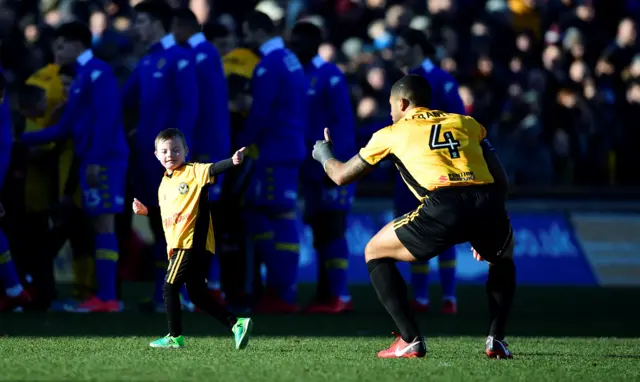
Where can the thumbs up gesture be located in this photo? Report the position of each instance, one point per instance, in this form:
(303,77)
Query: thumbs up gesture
(323,150)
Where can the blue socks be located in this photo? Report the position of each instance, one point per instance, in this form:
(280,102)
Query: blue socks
(106,265)
(8,275)
(282,260)
(335,256)
(447,270)
(420,281)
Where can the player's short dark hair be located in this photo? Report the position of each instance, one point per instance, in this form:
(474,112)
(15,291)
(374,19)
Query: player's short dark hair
(309,31)
(171,133)
(67,70)
(257,20)
(158,10)
(415,89)
(30,95)
(213,30)
(186,17)
(75,31)
(414,37)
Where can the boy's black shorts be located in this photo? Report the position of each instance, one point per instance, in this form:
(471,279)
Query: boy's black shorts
(187,266)
(454,215)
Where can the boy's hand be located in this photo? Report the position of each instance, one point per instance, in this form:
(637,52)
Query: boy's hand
(139,208)
(238,156)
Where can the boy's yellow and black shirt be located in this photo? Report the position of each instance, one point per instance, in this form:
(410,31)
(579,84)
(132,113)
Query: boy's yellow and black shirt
(40,180)
(432,149)
(184,210)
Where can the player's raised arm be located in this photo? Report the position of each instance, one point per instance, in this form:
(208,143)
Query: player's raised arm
(342,173)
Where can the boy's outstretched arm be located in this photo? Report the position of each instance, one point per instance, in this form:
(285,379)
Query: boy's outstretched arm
(224,165)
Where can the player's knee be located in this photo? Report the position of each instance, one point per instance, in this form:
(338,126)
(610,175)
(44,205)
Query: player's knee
(104,223)
(371,251)
(328,227)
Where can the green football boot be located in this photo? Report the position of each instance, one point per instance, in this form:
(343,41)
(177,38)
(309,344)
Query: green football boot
(242,332)
(168,342)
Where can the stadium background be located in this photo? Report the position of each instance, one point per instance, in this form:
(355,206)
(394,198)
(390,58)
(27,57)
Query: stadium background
(565,127)
(554,81)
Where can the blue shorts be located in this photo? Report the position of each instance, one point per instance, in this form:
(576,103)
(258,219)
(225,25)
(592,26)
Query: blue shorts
(403,199)
(108,196)
(147,176)
(322,197)
(274,188)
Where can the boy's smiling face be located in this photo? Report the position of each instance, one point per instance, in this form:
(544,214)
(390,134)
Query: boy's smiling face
(171,153)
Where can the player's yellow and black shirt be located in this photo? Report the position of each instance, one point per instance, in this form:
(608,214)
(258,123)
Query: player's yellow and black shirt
(183,206)
(432,149)
(40,181)
(440,156)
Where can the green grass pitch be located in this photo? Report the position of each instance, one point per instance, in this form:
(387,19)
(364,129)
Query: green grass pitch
(556,334)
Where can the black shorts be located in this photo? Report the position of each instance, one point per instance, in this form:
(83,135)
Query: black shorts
(188,266)
(450,216)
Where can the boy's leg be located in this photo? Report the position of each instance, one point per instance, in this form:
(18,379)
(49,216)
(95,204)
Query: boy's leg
(197,287)
(197,264)
(174,280)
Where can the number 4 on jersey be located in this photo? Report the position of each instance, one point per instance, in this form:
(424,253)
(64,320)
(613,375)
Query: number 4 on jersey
(448,143)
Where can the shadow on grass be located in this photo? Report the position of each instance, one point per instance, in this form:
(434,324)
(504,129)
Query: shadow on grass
(537,312)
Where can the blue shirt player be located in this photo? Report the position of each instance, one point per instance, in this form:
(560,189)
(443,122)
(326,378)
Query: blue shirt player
(93,118)
(15,294)
(326,205)
(276,125)
(163,87)
(413,51)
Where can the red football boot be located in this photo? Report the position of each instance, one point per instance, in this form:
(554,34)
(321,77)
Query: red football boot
(335,306)
(401,349)
(10,303)
(95,305)
(271,304)
(449,307)
(419,307)
(497,349)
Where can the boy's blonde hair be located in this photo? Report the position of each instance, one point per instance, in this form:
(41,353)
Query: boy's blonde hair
(170,133)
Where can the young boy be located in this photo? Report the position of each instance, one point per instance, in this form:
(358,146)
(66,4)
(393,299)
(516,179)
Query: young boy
(188,230)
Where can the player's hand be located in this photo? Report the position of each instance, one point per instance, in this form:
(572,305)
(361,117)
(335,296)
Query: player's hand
(322,150)
(238,156)
(139,208)
(93,175)
(476,255)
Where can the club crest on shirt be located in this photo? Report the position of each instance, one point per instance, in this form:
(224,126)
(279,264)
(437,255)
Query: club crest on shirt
(183,188)
(161,63)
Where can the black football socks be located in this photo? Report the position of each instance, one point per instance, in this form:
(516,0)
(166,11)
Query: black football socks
(392,292)
(501,286)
